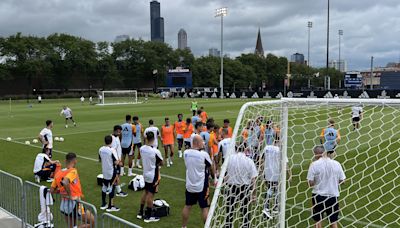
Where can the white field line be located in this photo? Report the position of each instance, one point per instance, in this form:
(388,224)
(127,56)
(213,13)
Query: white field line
(73,133)
(90,159)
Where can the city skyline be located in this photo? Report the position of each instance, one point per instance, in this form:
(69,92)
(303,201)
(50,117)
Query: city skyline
(283,26)
(182,39)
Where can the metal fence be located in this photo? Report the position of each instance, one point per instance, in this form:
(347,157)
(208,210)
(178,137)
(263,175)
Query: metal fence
(11,195)
(109,220)
(23,200)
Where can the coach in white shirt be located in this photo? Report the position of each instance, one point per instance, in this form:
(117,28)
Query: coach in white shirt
(324,176)
(198,168)
(44,166)
(46,137)
(240,175)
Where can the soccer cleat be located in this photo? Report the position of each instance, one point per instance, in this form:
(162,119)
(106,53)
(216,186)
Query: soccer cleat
(168,165)
(139,215)
(112,209)
(104,206)
(50,180)
(74,124)
(122,194)
(152,219)
(267,213)
(170,162)
(37,179)
(139,166)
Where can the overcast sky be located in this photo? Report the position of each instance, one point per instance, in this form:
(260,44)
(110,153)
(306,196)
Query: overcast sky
(371,27)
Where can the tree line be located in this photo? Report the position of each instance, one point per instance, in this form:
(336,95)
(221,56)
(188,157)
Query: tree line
(64,61)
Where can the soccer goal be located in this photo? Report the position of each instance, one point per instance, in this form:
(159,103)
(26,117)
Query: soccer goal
(118,97)
(370,157)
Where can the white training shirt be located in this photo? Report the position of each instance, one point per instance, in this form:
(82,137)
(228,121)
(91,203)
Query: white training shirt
(223,146)
(241,170)
(67,112)
(326,174)
(107,156)
(82,99)
(156,133)
(116,144)
(272,163)
(47,134)
(41,158)
(196,163)
(356,111)
(150,157)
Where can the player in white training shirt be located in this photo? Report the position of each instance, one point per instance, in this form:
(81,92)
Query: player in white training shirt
(324,176)
(67,112)
(151,160)
(46,137)
(198,169)
(44,167)
(272,169)
(223,145)
(116,145)
(155,131)
(108,159)
(356,114)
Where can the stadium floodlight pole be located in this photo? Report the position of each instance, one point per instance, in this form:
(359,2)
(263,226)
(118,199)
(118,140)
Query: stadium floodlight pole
(340,45)
(309,25)
(327,47)
(372,72)
(222,12)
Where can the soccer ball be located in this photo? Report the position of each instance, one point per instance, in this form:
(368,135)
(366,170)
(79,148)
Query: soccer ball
(57,139)
(27,142)
(61,139)
(35,141)
(8,138)
(198,92)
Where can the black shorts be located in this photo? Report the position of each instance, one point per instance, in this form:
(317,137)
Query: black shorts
(187,144)
(117,170)
(136,145)
(325,204)
(356,119)
(151,187)
(127,150)
(69,118)
(201,197)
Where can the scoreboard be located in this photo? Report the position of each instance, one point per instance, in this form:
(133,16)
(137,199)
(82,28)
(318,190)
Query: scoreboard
(179,77)
(353,80)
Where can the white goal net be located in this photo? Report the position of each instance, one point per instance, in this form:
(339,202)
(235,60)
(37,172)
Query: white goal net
(279,136)
(118,97)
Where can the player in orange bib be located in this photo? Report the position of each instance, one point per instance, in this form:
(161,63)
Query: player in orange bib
(226,126)
(187,132)
(67,184)
(178,127)
(167,138)
(203,116)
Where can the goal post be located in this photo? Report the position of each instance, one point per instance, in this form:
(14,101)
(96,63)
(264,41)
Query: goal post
(369,156)
(118,97)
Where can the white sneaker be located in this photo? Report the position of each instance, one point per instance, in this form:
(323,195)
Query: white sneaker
(66,126)
(113,208)
(37,179)
(170,162)
(122,174)
(267,213)
(180,153)
(139,166)
(168,165)
(152,219)
(103,207)
(50,180)
(130,174)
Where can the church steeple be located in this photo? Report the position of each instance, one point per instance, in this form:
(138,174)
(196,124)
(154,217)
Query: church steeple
(259,48)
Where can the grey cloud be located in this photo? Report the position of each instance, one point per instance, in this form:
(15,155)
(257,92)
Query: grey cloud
(370,27)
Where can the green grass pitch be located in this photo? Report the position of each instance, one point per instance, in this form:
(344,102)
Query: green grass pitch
(370,157)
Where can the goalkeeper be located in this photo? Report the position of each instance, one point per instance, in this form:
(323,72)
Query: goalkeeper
(330,137)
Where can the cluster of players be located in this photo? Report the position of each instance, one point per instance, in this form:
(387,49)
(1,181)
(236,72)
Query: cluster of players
(205,145)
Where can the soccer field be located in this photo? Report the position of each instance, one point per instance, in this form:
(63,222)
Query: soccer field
(370,157)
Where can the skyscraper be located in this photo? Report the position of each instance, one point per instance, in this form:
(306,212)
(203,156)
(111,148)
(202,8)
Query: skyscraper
(214,52)
(182,39)
(259,47)
(297,58)
(121,38)
(156,22)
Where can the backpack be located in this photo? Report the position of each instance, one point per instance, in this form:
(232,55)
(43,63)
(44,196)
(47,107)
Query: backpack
(161,208)
(137,183)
